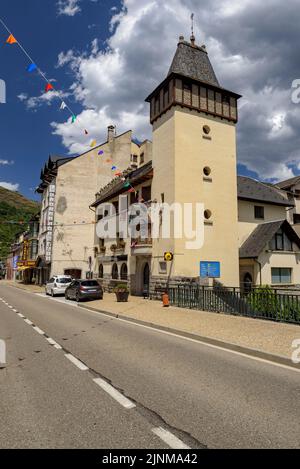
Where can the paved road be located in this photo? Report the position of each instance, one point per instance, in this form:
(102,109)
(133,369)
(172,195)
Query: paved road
(176,392)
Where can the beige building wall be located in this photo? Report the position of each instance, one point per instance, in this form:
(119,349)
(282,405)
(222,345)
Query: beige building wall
(247,221)
(76,185)
(269,260)
(181,151)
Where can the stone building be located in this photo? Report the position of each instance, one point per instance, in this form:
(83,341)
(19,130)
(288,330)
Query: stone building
(68,185)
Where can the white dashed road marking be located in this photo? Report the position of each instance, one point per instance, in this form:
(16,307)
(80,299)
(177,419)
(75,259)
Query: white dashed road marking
(76,362)
(170,439)
(39,331)
(114,394)
(55,344)
(28,322)
(21,315)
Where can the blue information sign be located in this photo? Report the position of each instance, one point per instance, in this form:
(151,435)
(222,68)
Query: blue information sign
(210,269)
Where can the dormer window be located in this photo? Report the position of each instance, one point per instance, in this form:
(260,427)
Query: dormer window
(259,212)
(281,242)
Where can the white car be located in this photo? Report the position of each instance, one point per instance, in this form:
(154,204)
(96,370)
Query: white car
(58,284)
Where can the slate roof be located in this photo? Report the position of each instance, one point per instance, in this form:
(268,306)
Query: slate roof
(262,235)
(288,182)
(193,62)
(250,189)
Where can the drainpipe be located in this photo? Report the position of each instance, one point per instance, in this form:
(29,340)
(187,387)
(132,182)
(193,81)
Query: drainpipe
(259,265)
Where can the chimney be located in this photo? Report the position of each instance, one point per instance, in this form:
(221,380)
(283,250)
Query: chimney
(111,133)
(181,38)
(193,40)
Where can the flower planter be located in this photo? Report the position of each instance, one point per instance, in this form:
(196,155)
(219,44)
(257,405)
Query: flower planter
(122,296)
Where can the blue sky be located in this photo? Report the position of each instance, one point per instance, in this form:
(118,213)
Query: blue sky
(108,55)
(26,136)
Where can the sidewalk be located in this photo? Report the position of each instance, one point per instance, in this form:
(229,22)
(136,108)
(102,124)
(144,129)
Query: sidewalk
(265,337)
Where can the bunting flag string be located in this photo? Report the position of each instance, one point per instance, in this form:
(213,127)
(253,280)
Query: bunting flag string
(49,87)
(32,67)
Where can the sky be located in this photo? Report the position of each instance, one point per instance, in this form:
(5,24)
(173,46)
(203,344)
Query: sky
(105,56)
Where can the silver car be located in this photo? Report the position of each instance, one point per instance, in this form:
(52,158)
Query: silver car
(58,284)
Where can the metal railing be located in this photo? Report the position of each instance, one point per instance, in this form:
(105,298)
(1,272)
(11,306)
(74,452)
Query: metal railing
(263,303)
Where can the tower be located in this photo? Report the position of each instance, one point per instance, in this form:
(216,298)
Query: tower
(194,161)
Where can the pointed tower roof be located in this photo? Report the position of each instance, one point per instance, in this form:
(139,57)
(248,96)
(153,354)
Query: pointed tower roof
(192,61)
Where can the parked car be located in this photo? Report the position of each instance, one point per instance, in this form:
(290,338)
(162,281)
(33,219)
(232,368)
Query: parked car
(57,285)
(84,290)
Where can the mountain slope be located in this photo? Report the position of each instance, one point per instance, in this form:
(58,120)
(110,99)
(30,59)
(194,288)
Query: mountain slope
(14,207)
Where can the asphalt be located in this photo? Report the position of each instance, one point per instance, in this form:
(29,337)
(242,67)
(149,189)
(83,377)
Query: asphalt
(204,396)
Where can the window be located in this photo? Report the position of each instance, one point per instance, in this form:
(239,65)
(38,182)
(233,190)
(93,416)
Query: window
(296,218)
(124,272)
(142,158)
(163,267)
(166,96)
(259,212)
(146,193)
(281,242)
(101,271)
(206,129)
(207,214)
(206,171)
(281,275)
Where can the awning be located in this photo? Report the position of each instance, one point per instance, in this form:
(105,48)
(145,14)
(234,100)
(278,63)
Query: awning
(21,269)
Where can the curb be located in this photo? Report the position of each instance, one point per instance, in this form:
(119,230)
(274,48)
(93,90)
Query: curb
(279,359)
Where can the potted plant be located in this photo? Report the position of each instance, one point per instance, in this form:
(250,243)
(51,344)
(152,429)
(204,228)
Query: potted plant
(122,245)
(122,293)
(103,249)
(113,247)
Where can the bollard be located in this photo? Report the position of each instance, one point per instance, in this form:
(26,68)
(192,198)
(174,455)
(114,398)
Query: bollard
(166,301)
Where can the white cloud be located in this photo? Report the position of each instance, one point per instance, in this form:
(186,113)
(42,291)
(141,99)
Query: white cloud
(6,162)
(35,102)
(10,186)
(111,83)
(68,7)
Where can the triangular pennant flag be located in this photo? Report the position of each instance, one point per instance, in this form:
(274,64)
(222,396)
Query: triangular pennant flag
(86,132)
(126,185)
(132,190)
(73,119)
(101,152)
(63,105)
(93,143)
(113,168)
(11,40)
(31,67)
(118,174)
(109,161)
(48,87)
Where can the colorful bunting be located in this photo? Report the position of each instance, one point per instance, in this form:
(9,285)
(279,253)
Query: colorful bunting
(132,190)
(63,105)
(93,143)
(101,152)
(113,168)
(86,132)
(126,185)
(31,67)
(11,40)
(49,87)
(73,119)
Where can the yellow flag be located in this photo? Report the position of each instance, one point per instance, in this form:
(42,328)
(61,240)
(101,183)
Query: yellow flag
(93,143)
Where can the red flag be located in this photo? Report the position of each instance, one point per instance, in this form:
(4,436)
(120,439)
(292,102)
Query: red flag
(11,40)
(48,87)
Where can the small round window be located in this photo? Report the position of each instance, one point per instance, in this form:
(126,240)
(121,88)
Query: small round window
(206,171)
(206,129)
(207,214)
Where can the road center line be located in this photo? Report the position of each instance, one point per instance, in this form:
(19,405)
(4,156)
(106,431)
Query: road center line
(114,393)
(169,438)
(55,344)
(39,331)
(28,322)
(21,315)
(76,362)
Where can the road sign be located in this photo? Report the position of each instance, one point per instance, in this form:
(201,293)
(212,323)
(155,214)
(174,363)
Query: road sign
(168,256)
(210,269)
